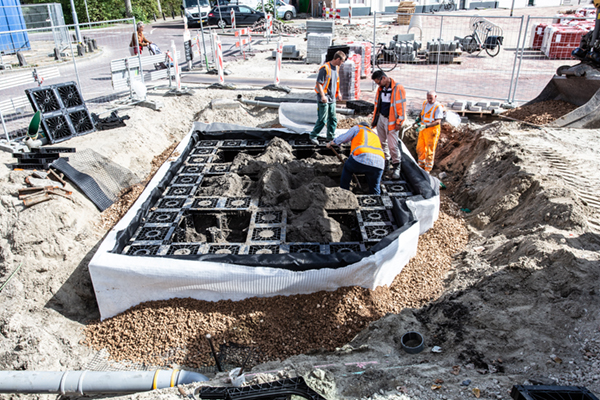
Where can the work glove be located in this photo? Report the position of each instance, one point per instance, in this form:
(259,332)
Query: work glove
(420,127)
(418,120)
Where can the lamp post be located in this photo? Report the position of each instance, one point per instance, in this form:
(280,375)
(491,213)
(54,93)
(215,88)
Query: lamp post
(76,23)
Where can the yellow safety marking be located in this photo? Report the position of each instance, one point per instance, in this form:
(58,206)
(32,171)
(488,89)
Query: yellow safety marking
(155,379)
(175,371)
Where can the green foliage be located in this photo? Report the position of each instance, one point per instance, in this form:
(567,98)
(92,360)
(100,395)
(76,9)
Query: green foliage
(106,10)
(270,8)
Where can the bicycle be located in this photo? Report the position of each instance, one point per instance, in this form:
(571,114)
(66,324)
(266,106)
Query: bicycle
(445,5)
(492,38)
(386,59)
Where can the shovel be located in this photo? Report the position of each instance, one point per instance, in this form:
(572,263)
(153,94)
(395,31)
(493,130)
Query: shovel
(342,161)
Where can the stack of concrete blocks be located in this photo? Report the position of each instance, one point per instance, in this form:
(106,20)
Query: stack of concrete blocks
(347,71)
(289,51)
(317,46)
(406,47)
(476,106)
(444,51)
(326,27)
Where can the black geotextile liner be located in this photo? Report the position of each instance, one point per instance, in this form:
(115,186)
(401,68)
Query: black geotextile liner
(85,183)
(291,261)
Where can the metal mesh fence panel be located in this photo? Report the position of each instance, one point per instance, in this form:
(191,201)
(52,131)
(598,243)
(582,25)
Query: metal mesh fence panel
(463,55)
(547,45)
(51,61)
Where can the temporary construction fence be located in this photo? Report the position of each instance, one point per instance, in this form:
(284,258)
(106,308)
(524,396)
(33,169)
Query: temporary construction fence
(528,54)
(88,64)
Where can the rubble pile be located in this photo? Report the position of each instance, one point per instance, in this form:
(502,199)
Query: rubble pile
(278,28)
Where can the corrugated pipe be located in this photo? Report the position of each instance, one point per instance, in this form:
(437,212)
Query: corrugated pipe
(88,382)
(345,111)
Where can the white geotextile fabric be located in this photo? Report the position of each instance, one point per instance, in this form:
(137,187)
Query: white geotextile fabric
(299,117)
(121,281)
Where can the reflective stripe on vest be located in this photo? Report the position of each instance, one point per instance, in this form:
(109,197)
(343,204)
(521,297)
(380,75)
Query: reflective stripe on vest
(395,104)
(366,142)
(430,116)
(327,79)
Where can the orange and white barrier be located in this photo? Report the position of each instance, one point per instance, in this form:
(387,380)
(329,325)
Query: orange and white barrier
(232,13)
(349,14)
(241,42)
(219,57)
(278,61)
(269,26)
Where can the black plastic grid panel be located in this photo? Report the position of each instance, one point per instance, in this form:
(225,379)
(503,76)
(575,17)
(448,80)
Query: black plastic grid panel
(63,112)
(194,159)
(179,190)
(152,233)
(182,249)
(268,217)
(397,188)
(205,202)
(186,180)
(267,234)
(200,151)
(164,230)
(141,250)
(163,217)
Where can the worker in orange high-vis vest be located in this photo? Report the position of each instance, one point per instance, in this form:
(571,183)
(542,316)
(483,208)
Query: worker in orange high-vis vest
(366,156)
(328,90)
(429,126)
(388,117)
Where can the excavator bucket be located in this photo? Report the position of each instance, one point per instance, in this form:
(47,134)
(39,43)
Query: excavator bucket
(578,85)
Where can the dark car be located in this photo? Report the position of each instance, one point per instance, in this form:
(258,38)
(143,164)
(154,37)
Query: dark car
(244,15)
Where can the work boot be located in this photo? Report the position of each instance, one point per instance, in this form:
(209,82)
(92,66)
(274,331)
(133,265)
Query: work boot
(386,169)
(396,172)
(314,141)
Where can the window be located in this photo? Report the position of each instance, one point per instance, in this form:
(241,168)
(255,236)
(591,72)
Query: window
(245,10)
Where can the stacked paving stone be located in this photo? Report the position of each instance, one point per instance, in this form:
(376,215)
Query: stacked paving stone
(317,46)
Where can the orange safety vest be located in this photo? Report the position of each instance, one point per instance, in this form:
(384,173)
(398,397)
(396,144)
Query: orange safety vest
(430,116)
(366,141)
(327,67)
(397,107)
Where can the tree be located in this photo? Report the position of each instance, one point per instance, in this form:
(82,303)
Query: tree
(128,9)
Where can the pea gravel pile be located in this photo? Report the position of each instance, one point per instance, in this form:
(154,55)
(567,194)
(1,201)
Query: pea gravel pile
(173,332)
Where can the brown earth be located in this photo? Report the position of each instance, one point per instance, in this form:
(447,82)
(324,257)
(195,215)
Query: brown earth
(541,113)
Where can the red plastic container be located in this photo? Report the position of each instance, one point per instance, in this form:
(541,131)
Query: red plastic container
(560,40)
(538,36)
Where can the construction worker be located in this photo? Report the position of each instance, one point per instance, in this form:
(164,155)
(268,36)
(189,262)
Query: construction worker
(429,124)
(388,117)
(328,89)
(366,156)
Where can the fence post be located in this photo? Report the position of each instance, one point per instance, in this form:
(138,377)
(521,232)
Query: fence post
(373,52)
(512,89)
(439,54)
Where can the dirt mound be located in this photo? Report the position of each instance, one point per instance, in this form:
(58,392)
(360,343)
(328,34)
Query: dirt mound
(541,113)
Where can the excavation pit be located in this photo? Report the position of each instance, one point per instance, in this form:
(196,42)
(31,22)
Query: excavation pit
(250,212)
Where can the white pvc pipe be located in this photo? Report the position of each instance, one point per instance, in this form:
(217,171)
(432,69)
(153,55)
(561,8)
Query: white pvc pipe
(87,382)
(269,104)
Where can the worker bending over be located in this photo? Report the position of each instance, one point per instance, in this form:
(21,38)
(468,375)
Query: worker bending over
(366,157)
(328,90)
(429,124)
(388,117)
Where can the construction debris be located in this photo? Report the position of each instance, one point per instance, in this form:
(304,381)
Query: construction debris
(41,187)
(278,28)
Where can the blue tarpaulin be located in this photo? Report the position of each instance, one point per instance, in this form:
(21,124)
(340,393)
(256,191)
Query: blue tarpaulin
(11,22)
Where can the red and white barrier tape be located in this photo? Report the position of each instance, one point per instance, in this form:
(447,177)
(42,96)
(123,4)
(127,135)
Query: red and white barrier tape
(278,62)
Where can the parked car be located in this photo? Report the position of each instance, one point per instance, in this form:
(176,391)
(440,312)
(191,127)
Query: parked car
(244,15)
(285,11)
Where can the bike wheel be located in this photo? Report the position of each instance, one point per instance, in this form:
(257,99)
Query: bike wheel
(493,52)
(470,45)
(386,60)
(448,6)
